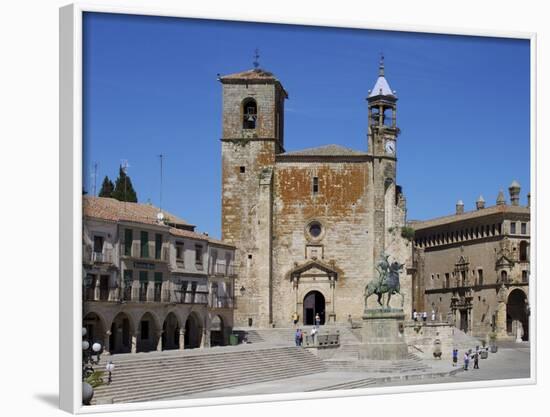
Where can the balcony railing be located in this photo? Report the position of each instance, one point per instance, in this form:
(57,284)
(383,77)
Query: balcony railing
(157,294)
(143,294)
(104,294)
(127,293)
(189,297)
(221,301)
(89,294)
(91,257)
(103,257)
(221,268)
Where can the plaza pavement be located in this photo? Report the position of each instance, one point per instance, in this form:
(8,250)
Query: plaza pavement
(512,361)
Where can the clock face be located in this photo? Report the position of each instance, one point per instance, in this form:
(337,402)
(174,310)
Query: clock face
(390,147)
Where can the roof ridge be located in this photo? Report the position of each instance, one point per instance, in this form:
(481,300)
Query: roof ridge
(330,147)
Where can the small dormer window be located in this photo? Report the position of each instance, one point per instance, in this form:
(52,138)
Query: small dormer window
(250,114)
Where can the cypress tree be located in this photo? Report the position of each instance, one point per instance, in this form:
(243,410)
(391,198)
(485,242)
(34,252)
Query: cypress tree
(124,191)
(106,188)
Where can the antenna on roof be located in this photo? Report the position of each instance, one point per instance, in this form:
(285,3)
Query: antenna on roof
(124,166)
(160,203)
(256,61)
(94,176)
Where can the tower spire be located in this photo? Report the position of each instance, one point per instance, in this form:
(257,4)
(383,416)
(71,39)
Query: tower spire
(381,65)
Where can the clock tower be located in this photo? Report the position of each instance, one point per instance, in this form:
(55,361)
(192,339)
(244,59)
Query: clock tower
(382,141)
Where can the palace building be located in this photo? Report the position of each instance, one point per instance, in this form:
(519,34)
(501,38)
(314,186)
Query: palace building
(308,225)
(473,268)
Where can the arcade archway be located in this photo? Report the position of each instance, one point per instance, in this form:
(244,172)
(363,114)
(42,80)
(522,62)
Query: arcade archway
(120,340)
(148,333)
(193,332)
(170,332)
(517,314)
(216,332)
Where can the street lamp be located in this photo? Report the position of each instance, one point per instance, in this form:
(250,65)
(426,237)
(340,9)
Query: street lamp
(90,356)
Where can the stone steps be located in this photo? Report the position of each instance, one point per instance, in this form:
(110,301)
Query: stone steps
(285,335)
(351,363)
(377,366)
(151,379)
(361,383)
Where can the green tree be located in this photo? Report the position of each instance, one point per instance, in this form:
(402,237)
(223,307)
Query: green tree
(124,191)
(107,188)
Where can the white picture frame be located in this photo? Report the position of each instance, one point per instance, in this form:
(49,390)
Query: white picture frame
(71,208)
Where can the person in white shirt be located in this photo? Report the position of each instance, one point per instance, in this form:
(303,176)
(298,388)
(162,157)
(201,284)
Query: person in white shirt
(313,333)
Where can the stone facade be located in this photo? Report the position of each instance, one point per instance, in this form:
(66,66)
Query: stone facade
(310,225)
(473,268)
(151,282)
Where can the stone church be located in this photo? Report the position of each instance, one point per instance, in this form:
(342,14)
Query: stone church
(309,225)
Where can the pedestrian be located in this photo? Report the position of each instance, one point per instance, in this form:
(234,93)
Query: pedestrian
(466,360)
(298,337)
(455,357)
(317,320)
(301,337)
(313,333)
(433,315)
(424,316)
(476,360)
(295,318)
(415,315)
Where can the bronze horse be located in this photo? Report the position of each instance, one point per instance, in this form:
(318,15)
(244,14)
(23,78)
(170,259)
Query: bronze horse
(387,282)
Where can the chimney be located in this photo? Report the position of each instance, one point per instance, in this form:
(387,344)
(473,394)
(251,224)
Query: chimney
(514,190)
(480,203)
(500,198)
(459,207)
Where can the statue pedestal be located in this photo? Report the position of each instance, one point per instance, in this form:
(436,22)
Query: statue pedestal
(383,335)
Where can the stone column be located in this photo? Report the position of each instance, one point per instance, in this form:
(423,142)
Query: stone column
(106,343)
(501,320)
(501,313)
(96,287)
(134,342)
(159,342)
(205,340)
(182,339)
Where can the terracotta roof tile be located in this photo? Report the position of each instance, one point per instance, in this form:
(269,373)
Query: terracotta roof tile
(439,221)
(114,210)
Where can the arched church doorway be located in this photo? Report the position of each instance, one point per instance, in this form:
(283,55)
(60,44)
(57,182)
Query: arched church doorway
(314,303)
(192,332)
(517,319)
(216,332)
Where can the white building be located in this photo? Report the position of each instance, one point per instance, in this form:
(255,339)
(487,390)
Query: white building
(151,282)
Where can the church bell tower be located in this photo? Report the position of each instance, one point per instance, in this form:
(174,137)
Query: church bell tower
(382,144)
(252,134)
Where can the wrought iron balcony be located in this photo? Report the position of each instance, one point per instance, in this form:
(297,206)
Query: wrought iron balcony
(221,301)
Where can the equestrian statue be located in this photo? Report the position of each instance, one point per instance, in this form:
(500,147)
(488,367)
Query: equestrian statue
(387,281)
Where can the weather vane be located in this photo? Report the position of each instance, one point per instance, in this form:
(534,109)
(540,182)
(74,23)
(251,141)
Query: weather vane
(381,67)
(256,62)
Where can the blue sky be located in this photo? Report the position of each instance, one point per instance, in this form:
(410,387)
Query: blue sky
(150,88)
